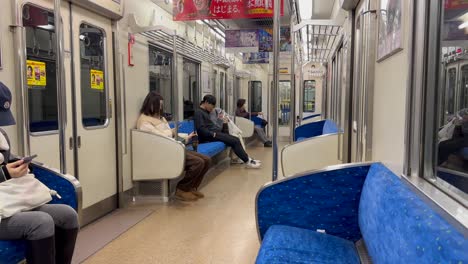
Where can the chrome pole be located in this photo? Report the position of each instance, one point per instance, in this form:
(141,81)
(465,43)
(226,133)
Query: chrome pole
(175,111)
(292,108)
(61,93)
(274,88)
(22,115)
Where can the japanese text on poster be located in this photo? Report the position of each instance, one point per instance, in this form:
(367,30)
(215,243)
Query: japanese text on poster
(223,9)
(36,73)
(97,79)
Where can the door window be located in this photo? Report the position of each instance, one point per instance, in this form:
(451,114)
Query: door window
(285,102)
(222,91)
(255,96)
(309,96)
(94,94)
(41,69)
(160,77)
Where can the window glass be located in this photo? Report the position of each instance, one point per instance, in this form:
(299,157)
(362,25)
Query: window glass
(160,77)
(285,102)
(309,96)
(191,88)
(452,141)
(93,76)
(255,96)
(41,69)
(222,91)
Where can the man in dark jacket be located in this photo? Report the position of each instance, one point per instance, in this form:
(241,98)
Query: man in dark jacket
(209,131)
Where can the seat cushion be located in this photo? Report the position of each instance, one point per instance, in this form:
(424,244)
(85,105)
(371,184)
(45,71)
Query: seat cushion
(12,251)
(398,226)
(210,149)
(285,244)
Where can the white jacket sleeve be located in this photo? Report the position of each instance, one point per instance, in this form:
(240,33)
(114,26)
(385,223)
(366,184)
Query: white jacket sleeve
(158,130)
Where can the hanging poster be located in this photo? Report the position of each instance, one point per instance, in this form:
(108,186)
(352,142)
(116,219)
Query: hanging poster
(97,79)
(36,73)
(265,40)
(223,9)
(255,57)
(241,40)
(389,41)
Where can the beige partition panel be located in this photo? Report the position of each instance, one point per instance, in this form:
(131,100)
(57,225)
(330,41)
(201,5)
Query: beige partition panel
(156,157)
(246,125)
(310,154)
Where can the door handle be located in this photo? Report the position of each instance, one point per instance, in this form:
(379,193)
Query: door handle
(70,142)
(78,142)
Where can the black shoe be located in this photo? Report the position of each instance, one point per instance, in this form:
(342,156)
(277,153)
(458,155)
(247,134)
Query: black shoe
(268,144)
(41,251)
(65,244)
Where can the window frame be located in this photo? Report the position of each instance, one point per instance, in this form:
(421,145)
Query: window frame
(106,79)
(423,103)
(251,99)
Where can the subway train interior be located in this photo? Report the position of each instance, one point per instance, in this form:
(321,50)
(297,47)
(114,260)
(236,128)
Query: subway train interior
(235,131)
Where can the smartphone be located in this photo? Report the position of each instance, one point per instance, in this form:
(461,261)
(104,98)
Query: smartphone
(29,159)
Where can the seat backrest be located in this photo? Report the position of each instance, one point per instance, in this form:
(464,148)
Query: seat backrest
(309,130)
(400,227)
(186,126)
(329,127)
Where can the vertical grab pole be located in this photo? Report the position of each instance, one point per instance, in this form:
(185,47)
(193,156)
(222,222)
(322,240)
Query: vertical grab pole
(175,111)
(61,96)
(292,109)
(274,88)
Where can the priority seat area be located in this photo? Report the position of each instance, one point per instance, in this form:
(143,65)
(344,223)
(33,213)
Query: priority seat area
(67,186)
(319,217)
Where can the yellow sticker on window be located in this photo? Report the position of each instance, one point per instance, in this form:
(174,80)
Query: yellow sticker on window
(97,79)
(36,73)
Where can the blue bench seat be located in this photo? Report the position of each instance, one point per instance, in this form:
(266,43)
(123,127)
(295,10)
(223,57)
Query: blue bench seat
(13,251)
(210,149)
(354,202)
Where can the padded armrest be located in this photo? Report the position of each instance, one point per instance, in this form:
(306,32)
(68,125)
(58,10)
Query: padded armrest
(156,157)
(327,199)
(310,154)
(311,116)
(67,186)
(246,125)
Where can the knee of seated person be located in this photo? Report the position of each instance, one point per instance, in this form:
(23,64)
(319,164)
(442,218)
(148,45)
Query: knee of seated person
(69,217)
(41,226)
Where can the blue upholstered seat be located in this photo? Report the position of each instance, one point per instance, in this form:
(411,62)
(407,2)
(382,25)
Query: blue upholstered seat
(210,149)
(286,244)
(13,251)
(314,129)
(397,225)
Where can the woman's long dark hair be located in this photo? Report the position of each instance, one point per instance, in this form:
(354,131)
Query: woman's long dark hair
(152,104)
(240,103)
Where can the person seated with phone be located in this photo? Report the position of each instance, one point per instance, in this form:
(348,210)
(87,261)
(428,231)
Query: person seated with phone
(242,112)
(208,131)
(196,164)
(50,229)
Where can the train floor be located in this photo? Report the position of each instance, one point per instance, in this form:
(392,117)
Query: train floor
(218,229)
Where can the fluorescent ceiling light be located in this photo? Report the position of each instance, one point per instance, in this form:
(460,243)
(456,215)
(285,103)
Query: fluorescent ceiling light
(464,25)
(306,9)
(199,22)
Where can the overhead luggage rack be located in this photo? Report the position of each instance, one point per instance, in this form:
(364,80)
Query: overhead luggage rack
(163,36)
(319,38)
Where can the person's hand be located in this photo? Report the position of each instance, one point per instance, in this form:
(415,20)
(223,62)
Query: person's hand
(190,136)
(225,120)
(260,113)
(17,169)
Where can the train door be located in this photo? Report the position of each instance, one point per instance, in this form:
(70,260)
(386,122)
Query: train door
(93,112)
(41,113)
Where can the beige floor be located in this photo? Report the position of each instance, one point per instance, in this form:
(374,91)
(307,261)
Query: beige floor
(217,229)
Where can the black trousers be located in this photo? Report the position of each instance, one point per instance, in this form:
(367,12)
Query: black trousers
(232,142)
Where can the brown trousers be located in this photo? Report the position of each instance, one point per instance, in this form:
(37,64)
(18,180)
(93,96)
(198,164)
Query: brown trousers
(196,165)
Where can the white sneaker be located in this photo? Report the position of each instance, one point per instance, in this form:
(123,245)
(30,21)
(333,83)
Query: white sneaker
(252,164)
(236,161)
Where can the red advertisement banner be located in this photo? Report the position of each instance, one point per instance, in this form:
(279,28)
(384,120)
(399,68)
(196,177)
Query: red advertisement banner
(456,4)
(223,9)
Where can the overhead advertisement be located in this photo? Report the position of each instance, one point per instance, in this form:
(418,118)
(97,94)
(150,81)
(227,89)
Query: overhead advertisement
(36,73)
(241,41)
(223,9)
(255,57)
